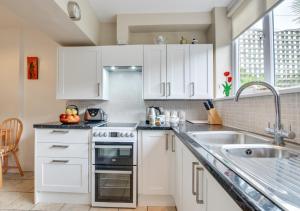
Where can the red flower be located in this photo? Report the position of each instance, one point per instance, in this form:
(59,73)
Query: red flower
(226,73)
(229,79)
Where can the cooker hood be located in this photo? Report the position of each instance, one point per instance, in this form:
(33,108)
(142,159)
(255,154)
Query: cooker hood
(123,68)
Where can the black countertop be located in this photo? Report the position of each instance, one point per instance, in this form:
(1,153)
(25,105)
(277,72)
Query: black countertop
(243,193)
(59,125)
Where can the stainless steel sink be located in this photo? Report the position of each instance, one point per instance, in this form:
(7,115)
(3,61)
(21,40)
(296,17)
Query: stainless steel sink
(226,137)
(258,151)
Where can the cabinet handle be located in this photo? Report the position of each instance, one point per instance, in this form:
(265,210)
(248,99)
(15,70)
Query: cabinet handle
(173,143)
(59,161)
(169,88)
(193,89)
(60,146)
(167,142)
(163,88)
(60,131)
(98,88)
(193,177)
(198,200)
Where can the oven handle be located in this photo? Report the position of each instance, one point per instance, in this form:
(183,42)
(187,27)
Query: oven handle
(112,172)
(112,146)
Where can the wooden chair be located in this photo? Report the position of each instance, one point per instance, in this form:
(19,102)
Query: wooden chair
(13,129)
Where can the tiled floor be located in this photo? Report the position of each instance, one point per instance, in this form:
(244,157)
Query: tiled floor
(17,195)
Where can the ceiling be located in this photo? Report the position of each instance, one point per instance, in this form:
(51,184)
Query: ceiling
(107,10)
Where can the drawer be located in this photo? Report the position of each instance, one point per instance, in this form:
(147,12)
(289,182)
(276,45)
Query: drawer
(62,135)
(62,150)
(62,175)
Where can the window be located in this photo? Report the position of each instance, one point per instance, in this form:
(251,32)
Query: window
(270,49)
(287,43)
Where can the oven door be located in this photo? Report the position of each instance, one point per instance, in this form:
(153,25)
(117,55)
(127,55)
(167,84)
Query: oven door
(114,186)
(119,154)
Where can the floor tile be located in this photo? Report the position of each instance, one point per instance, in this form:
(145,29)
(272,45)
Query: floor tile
(48,206)
(161,209)
(23,202)
(6,198)
(16,176)
(75,207)
(103,209)
(137,209)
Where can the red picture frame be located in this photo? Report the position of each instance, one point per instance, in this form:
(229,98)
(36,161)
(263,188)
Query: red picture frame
(32,68)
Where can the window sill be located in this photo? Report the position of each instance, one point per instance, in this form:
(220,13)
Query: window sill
(261,94)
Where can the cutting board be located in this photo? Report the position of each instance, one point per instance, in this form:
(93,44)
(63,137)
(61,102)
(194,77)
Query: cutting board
(198,121)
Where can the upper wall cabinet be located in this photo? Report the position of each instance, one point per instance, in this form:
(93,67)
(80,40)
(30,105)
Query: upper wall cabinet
(122,55)
(178,72)
(201,71)
(80,74)
(155,71)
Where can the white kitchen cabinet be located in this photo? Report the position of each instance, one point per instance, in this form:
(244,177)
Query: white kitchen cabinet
(177,71)
(155,71)
(178,174)
(190,180)
(122,55)
(80,74)
(154,160)
(201,71)
(62,165)
(217,197)
(68,175)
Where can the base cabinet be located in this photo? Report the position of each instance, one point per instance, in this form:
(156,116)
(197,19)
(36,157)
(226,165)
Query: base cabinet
(196,188)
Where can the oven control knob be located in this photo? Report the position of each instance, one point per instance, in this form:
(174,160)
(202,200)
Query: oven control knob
(105,134)
(126,135)
(131,135)
(94,134)
(121,135)
(99,134)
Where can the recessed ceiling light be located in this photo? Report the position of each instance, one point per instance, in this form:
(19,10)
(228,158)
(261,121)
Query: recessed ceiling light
(112,67)
(133,67)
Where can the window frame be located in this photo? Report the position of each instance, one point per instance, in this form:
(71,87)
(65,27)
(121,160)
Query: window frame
(269,56)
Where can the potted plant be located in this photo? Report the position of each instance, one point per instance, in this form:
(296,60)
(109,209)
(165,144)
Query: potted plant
(227,85)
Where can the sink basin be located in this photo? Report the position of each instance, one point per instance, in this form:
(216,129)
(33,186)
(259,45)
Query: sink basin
(226,137)
(258,151)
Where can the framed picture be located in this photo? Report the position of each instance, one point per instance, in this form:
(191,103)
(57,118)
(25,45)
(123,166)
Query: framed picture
(32,68)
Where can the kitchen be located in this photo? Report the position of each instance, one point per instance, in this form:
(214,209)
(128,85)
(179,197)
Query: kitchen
(124,107)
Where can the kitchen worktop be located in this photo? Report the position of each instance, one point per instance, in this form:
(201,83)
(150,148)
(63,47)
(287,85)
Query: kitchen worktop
(59,125)
(244,194)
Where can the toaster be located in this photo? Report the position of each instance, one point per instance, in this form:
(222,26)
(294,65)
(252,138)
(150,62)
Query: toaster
(95,114)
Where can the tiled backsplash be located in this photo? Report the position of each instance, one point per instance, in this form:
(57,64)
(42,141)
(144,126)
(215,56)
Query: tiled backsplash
(253,114)
(126,102)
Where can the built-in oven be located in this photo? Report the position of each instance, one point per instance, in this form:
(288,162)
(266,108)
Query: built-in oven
(114,173)
(115,186)
(114,153)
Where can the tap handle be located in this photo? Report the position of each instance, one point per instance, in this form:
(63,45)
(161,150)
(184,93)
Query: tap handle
(290,127)
(269,124)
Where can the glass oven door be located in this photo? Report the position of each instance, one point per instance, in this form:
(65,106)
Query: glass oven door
(114,185)
(114,154)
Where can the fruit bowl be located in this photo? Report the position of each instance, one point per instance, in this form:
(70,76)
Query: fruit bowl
(69,119)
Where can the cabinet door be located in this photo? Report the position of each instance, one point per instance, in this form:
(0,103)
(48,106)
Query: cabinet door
(177,71)
(154,163)
(178,174)
(79,73)
(122,55)
(217,197)
(190,180)
(68,175)
(155,71)
(201,72)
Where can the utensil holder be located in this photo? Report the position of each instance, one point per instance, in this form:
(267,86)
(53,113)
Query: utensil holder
(214,117)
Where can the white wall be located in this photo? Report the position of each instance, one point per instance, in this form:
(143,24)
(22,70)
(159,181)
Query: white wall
(32,101)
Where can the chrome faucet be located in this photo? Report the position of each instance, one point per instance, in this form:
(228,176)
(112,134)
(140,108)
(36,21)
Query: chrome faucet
(278,131)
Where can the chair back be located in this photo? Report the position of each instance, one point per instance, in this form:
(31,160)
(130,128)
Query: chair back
(14,127)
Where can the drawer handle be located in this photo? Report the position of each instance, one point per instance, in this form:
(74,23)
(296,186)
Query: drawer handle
(60,146)
(60,131)
(59,161)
